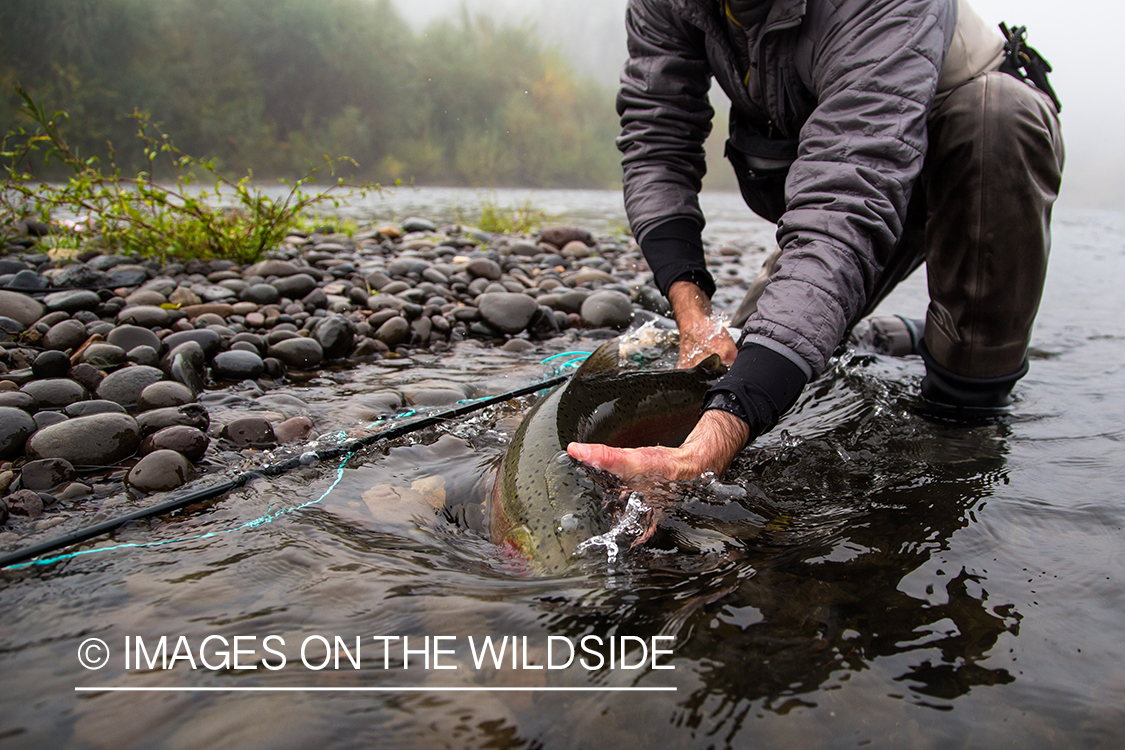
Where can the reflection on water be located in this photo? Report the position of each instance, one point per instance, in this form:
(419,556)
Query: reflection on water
(865,573)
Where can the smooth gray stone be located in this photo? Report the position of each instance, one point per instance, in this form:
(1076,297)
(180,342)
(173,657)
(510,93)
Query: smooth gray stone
(300,353)
(16,426)
(507,311)
(164,394)
(126,385)
(260,294)
(160,471)
(251,431)
(51,364)
(296,286)
(97,440)
(143,355)
(238,365)
(607,309)
(129,337)
(94,406)
(102,355)
(55,393)
(209,341)
(48,418)
(191,442)
(79,299)
(67,334)
(146,316)
(336,336)
(46,473)
(20,307)
(192,415)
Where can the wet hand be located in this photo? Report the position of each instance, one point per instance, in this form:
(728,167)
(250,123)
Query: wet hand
(712,445)
(701,335)
(701,340)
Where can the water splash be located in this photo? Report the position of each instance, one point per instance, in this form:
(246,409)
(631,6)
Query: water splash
(628,524)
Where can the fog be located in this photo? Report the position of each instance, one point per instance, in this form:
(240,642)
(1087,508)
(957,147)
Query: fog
(1079,38)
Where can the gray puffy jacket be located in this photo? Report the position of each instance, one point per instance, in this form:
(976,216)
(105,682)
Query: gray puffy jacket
(849,81)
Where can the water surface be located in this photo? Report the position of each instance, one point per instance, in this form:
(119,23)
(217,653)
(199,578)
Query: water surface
(876,576)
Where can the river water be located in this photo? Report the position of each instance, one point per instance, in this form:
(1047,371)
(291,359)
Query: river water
(878,577)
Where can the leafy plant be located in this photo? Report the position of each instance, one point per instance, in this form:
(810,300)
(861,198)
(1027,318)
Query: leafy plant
(186,218)
(520,219)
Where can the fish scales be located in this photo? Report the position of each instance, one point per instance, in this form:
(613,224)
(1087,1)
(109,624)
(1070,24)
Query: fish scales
(541,505)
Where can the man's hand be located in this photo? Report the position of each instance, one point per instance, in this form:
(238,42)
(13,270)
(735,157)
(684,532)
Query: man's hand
(713,444)
(700,336)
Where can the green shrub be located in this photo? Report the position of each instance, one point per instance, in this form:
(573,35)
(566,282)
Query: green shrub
(204,217)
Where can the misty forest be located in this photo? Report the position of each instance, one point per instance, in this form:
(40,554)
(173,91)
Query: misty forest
(274,85)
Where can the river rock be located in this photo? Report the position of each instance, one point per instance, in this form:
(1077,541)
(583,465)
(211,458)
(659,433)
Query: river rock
(126,385)
(238,365)
(507,311)
(97,440)
(336,336)
(293,429)
(143,355)
(164,394)
(28,280)
(189,441)
(184,297)
(103,355)
(20,307)
(148,297)
(607,309)
(51,364)
(160,471)
(295,286)
(209,341)
(191,415)
(80,275)
(129,337)
(260,294)
(301,353)
(393,331)
(484,268)
(81,299)
(25,503)
(94,406)
(88,376)
(251,432)
(46,473)
(147,316)
(222,309)
(55,393)
(271,267)
(48,418)
(416,224)
(16,426)
(127,275)
(560,236)
(67,334)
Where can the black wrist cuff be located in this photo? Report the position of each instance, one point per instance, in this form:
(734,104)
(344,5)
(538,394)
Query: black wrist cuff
(759,388)
(674,251)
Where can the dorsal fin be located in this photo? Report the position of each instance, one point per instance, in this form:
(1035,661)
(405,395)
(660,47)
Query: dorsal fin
(603,361)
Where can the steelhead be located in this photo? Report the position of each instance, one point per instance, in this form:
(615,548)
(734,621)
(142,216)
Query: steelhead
(541,505)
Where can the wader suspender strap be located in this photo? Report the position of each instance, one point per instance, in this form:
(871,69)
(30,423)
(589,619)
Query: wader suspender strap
(1020,58)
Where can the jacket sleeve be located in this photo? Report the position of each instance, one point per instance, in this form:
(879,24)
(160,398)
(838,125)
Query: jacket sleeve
(875,67)
(665,117)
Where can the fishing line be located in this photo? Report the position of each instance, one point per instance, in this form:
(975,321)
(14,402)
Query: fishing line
(347,449)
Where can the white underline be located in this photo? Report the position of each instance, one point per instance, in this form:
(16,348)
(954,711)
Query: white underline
(117,689)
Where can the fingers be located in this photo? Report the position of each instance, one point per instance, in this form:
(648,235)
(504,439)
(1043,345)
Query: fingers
(631,463)
(614,460)
(703,341)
